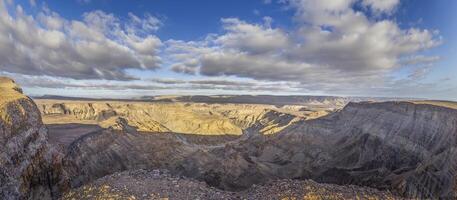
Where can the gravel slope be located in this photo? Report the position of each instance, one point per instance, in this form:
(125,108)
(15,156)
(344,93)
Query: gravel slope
(156,184)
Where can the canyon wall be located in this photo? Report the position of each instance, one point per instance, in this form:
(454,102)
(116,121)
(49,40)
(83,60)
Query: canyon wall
(400,146)
(188,118)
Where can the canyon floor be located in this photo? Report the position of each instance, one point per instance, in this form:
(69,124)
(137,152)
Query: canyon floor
(226,147)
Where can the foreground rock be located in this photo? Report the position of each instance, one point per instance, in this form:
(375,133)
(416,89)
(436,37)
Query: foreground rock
(29,167)
(156,184)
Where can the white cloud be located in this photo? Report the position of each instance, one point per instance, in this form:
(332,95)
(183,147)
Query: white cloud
(251,38)
(333,46)
(146,24)
(99,47)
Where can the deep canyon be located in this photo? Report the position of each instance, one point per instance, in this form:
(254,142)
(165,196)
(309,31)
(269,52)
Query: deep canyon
(226,147)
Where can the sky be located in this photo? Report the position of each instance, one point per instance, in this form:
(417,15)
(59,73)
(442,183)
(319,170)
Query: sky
(128,49)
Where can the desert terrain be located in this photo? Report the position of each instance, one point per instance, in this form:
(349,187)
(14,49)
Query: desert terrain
(228,100)
(226,148)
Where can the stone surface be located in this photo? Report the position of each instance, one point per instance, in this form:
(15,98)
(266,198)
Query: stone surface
(29,167)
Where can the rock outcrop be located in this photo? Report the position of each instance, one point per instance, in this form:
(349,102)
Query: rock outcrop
(29,167)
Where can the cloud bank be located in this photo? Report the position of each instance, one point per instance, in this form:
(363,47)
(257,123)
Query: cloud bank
(98,47)
(335,47)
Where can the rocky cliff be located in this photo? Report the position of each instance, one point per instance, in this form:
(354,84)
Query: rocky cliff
(400,146)
(406,147)
(29,167)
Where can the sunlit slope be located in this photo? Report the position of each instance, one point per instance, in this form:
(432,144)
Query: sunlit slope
(190,118)
(447,104)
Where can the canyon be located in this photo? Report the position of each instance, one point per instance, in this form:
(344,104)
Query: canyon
(226,147)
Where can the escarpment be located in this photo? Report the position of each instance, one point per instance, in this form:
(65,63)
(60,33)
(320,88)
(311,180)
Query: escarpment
(29,167)
(406,147)
(399,146)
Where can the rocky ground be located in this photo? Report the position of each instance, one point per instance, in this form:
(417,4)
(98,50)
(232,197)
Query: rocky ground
(157,184)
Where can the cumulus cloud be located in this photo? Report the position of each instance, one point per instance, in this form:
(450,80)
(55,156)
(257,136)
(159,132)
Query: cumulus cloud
(251,38)
(333,46)
(98,47)
(184,56)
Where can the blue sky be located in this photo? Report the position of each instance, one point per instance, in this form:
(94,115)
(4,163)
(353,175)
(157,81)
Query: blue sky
(395,48)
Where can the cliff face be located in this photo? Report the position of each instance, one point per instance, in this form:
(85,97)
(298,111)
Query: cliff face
(189,118)
(405,147)
(29,167)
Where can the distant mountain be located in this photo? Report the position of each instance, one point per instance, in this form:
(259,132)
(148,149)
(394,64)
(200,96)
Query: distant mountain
(268,99)
(56,97)
(238,99)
